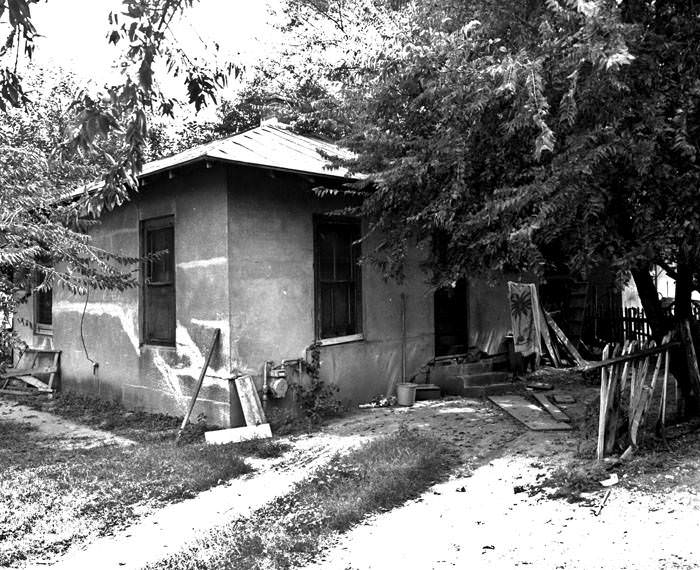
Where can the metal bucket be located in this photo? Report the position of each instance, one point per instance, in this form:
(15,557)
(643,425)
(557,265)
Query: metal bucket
(406,394)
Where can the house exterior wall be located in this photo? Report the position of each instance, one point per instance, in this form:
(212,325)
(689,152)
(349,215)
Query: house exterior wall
(271,275)
(151,377)
(244,258)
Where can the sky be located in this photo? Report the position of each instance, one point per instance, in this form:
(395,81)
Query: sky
(74,35)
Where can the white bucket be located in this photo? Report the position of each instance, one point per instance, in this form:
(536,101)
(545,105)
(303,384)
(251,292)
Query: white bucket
(406,394)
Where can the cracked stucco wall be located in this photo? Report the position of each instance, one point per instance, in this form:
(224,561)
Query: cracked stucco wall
(150,377)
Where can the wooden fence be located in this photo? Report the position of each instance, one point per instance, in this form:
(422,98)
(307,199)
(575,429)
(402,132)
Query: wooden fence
(627,387)
(635,325)
(630,324)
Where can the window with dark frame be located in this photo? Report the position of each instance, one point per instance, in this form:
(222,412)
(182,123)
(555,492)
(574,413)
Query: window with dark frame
(337,277)
(158,280)
(43,307)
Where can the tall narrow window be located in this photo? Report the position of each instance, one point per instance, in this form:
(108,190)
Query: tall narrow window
(337,274)
(43,307)
(158,281)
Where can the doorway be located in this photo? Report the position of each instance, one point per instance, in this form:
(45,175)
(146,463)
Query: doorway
(452,319)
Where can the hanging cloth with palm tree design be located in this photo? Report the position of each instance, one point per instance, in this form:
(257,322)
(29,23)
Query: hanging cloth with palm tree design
(526,318)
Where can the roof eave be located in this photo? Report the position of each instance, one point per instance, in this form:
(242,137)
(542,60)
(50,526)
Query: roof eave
(206,157)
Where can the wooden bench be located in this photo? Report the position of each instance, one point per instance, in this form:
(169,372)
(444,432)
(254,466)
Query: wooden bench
(37,369)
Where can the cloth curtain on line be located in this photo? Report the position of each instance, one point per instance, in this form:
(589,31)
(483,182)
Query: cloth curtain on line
(526,318)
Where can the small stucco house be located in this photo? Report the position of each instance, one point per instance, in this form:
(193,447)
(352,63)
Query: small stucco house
(253,251)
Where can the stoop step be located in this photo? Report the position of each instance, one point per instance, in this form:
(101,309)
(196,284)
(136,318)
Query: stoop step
(428,392)
(474,385)
(441,371)
(485,378)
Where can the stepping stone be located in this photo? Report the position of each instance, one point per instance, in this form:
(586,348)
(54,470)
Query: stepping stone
(523,410)
(564,399)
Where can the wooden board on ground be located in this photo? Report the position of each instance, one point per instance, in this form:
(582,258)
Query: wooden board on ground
(36,367)
(20,392)
(250,401)
(236,435)
(528,413)
(35,382)
(553,409)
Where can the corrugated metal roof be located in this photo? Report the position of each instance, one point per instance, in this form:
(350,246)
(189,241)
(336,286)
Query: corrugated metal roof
(267,146)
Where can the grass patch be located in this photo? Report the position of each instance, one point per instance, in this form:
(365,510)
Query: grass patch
(262,448)
(52,497)
(376,477)
(111,416)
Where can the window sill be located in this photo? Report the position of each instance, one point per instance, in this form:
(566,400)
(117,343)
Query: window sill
(164,347)
(44,331)
(341,339)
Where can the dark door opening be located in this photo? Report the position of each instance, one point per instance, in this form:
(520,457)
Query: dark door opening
(451,320)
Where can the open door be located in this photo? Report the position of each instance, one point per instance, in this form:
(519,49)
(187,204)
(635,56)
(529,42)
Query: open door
(452,319)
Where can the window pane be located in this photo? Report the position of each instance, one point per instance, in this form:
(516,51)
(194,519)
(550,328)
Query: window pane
(44,304)
(160,314)
(326,308)
(341,310)
(343,256)
(326,251)
(160,240)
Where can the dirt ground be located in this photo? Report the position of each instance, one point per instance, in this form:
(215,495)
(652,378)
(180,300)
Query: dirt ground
(490,514)
(52,430)
(495,513)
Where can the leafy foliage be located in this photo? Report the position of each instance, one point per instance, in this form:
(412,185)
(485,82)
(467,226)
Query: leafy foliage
(42,238)
(317,400)
(537,135)
(100,135)
(530,135)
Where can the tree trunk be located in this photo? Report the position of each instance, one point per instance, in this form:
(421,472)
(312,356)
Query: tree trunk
(658,320)
(682,313)
(660,324)
(684,289)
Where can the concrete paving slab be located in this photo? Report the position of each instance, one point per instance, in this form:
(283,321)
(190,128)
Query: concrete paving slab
(528,413)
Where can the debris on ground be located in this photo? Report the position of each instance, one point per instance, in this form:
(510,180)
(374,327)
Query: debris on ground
(610,481)
(379,402)
(542,386)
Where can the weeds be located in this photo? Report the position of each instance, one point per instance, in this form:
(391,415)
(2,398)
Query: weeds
(375,477)
(262,448)
(110,416)
(318,401)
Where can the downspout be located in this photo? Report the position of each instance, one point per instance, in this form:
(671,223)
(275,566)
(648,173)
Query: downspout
(265,386)
(403,338)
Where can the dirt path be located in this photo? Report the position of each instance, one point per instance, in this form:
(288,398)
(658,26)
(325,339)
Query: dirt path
(157,535)
(53,430)
(485,521)
(467,423)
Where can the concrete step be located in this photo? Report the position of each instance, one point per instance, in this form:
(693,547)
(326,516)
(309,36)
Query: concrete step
(427,392)
(441,371)
(465,384)
(484,391)
(485,378)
